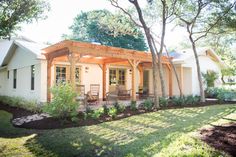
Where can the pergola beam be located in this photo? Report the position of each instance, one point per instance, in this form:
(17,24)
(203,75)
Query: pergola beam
(106,54)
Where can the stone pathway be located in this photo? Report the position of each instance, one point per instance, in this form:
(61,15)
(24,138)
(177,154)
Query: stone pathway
(27,119)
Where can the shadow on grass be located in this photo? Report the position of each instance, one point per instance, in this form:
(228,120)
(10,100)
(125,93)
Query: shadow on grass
(7,130)
(142,135)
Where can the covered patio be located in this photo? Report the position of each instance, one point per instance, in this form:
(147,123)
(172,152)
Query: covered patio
(74,52)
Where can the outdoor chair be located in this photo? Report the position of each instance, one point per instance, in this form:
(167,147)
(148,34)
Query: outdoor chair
(124,94)
(119,94)
(144,93)
(81,96)
(112,96)
(93,94)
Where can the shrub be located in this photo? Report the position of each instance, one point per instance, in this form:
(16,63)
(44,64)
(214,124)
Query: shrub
(210,78)
(133,105)
(163,102)
(226,95)
(112,112)
(106,109)
(212,92)
(192,100)
(63,104)
(97,113)
(20,102)
(148,104)
(119,106)
(222,93)
(178,101)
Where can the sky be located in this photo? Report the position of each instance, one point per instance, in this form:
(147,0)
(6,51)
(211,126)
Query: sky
(61,16)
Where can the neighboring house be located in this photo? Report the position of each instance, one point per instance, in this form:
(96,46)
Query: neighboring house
(28,69)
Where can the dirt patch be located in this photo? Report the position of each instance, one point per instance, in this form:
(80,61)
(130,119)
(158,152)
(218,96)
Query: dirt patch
(221,138)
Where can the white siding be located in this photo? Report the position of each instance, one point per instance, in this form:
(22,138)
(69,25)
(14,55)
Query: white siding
(22,61)
(206,63)
(166,80)
(3,81)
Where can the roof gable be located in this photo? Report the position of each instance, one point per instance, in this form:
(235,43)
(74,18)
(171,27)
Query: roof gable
(29,46)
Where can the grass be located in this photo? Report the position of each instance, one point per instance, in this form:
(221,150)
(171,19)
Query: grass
(163,133)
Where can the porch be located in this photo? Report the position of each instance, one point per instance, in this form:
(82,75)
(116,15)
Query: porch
(126,67)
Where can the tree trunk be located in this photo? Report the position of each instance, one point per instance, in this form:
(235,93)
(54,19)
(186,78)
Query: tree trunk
(202,94)
(150,44)
(160,70)
(163,86)
(222,78)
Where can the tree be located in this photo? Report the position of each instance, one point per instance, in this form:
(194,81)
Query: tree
(200,17)
(142,24)
(15,12)
(167,11)
(101,26)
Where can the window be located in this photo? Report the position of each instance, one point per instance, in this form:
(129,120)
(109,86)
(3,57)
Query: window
(14,78)
(77,75)
(60,74)
(112,77)
(121,80)
(8,74)
(117,77)
(32,76)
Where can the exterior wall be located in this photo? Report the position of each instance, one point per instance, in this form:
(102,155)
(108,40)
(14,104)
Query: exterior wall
(43,81)
(90,74)
(187,86)
(174,81)
(166,79)
(206,63)
(3,81)
(22,61)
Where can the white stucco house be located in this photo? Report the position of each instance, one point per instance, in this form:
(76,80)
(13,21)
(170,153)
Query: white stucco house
(28,70)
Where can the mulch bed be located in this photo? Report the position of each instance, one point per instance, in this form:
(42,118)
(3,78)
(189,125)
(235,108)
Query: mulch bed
(53,123)
(221,138)
(16,112)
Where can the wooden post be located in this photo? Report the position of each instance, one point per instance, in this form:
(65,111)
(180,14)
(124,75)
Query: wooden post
(170,81)
(104,82)
(133,83)
(140,68)
(72,60)
(49,65)
(134,65)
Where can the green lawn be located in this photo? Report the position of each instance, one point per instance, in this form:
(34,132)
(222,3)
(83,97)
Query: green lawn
(163,133)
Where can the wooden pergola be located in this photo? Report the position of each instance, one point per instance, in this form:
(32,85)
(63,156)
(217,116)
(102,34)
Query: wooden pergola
(81,52)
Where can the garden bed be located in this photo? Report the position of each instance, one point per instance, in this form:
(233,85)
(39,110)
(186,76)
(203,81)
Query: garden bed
(221,138)
(53,123)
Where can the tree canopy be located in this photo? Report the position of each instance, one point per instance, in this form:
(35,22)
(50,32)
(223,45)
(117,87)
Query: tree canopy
(105,28)
(15,12)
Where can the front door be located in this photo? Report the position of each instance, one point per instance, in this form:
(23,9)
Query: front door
(116,77)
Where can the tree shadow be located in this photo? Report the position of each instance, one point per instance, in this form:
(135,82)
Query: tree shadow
(132,136)
(7,130)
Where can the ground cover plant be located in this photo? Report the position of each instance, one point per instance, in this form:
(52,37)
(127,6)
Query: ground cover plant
(30,105)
